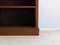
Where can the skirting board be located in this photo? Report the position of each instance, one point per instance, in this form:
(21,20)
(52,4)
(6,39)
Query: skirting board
(49,29)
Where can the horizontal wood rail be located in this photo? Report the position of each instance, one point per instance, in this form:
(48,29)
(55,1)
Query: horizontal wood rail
(5,31)
(17,6)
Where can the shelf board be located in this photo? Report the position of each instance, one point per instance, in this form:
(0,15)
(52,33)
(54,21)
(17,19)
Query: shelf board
(5,31)
(17,7)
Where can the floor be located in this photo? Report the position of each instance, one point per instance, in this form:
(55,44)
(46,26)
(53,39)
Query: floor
(45,38)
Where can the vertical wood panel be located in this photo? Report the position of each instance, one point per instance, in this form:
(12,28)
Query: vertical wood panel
(37,30)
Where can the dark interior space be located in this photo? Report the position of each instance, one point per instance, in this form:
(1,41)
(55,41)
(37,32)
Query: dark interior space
(17,2)
(17,17)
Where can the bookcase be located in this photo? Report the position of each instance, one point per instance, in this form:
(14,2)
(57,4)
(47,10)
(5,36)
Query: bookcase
(19,17)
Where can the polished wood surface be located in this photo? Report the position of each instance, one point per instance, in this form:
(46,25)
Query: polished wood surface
(37,29)
(10,31)
(16,31)
(17,7)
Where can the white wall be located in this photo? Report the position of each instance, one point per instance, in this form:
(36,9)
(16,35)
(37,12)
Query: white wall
(49,13)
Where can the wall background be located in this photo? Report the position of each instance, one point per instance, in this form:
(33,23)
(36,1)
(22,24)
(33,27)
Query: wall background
(49,14)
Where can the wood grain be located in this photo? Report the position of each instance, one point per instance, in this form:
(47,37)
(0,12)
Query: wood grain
(17,31)
(10,31)
(17,6)
(37,29)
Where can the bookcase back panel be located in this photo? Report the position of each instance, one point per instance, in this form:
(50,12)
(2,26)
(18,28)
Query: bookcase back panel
(17,2)
(17,17)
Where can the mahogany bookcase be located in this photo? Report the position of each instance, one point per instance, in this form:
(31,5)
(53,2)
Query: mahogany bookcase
(19,17)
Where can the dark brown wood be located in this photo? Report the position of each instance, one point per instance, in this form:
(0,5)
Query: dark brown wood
(17,31)
(17,6)
(17,2)
(10,31)
(37,29)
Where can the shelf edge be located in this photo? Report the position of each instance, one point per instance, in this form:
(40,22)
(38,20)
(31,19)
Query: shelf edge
(17,6)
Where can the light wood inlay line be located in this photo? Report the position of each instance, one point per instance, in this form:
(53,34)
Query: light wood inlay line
(17,6)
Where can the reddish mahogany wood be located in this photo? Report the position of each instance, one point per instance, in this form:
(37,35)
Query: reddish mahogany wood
(21,30)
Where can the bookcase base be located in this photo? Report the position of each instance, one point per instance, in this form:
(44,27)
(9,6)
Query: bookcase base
(18,31)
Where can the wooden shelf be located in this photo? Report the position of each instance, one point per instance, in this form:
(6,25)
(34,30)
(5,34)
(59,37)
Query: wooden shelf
(18,17)
(18,31)
(17,7)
